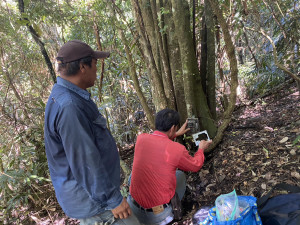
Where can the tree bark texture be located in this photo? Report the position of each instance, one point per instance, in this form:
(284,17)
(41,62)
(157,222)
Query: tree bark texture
(159,97)
(175,63)
(203,55)
(195,98)
(233,75)
(166,72)
(211,60)
(167,43)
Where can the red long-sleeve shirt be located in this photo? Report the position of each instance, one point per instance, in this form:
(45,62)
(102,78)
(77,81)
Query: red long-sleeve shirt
(156,158)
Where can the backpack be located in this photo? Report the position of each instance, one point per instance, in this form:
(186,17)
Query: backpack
(282,209)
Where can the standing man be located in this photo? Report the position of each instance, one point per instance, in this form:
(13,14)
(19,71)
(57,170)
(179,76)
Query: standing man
(156,183)
(82,155)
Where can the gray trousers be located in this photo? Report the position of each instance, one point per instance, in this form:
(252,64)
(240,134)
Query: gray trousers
(149,218)
(107,218)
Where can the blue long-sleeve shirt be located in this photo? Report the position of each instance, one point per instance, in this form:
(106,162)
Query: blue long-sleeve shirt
(82,155)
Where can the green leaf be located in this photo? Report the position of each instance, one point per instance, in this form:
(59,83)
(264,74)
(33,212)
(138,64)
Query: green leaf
(266,152)
(296,140)
(37,29)
(23,22)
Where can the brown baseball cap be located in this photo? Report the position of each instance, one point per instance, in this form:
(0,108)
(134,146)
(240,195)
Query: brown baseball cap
(75,50)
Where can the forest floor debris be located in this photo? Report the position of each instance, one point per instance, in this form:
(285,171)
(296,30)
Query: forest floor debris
(260,149)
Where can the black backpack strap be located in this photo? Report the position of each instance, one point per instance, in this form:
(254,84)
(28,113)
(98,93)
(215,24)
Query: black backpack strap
(283,186)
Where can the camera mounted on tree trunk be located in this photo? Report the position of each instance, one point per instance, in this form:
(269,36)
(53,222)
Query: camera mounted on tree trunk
(193,124)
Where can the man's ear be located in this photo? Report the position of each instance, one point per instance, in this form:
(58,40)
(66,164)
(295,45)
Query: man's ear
(172,129)
(171,132)
(82,67)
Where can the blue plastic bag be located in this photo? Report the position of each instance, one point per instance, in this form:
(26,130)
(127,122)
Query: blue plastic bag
(249,216)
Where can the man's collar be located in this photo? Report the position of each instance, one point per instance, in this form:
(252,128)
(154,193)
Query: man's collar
(159,133)
(67,84)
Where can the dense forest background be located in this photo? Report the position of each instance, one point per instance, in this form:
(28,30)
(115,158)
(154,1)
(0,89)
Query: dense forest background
(196,56)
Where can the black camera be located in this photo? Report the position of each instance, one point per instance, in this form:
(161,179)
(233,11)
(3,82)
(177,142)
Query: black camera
(193,124)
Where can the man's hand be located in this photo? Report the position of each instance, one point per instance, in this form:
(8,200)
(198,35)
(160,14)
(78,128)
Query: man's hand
(204,144)
(122,211)
(182,129)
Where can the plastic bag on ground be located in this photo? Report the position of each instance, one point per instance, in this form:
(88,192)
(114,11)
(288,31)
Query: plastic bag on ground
(201,214)
(248,216)
(227,207)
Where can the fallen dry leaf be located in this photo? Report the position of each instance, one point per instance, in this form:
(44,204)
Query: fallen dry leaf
(283,140)
(268,175)
(293,152)
(295,174)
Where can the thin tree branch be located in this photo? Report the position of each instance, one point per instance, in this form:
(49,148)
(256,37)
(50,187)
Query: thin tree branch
(275,18)
(36,38)
(280,66)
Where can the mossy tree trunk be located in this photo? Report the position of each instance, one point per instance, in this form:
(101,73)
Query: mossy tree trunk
(195,98)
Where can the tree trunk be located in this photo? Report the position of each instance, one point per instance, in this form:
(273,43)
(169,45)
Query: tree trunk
(249,47)
(234,73)
(175,63)
(211,60)
(166,73)
(203,56)
(240,51)
(159,97)
(194,96)
(182,31)
(194,23)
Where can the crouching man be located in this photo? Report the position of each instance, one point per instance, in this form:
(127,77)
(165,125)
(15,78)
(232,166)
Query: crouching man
(156,183)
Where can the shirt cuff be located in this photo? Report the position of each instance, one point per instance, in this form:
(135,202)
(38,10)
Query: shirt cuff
(115,201)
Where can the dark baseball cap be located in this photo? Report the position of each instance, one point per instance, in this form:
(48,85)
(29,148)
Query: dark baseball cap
(75,50)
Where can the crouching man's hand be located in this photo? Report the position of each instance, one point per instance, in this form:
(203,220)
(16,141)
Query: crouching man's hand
(204,144)
(182,130)
(122,211)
